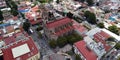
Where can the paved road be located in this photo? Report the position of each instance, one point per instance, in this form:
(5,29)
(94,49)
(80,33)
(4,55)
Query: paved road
(41,43)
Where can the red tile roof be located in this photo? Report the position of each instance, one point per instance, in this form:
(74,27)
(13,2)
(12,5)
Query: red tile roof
(33,22)
(35,8)
(59,22)
(64,31)
(9,40)
(12,39)
(7,52)
(101,37)
(79,27)
(88,54)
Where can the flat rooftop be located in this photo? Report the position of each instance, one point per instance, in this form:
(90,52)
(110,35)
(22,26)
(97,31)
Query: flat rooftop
(20,50)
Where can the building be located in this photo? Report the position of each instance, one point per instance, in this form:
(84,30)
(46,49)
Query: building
(59,27)
(34,15)
(79,28)
(92,32)
(6,13)
(88,49)
(117,38)
(84,52)
(2,3)
(18,46)
(20,50)
(102,37)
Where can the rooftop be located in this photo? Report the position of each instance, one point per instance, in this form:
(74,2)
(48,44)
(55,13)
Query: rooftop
(112,34)
(79,27)
(88,54)
(22,50)
(59,22)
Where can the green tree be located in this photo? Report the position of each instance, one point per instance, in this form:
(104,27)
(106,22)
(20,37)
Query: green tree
(114,29)
(70,15)
(22,15)
(82,0)
(87,13)
(71,39)
(39,34)
(118,58)
(117,46)
(26,26)
(111,39)
(92,18)
(57,1)
(90,2)
(8,3)
(14,12)
(52,43)
(14,5)
(61,42)
(1,16)
(101,25)
(77,57)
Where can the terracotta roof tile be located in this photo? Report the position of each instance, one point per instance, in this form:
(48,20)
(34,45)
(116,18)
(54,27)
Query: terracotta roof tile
(88,54)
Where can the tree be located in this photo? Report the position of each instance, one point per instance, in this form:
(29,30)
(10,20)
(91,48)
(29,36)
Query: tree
(73,38)
(14,12)
(14,6)
(77,57)
(61,42)
(22,15)
(101,25)
(82,0)
(111,39)
(70,15)
(1,16)
(39,34)
(117,46)
(57,1)
(87,13)
(26,26)
(91,17)
(114,29)
(7,3)
(90,2)
(52,43)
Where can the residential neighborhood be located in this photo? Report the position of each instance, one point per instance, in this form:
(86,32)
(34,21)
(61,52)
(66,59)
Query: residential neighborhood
(59,29)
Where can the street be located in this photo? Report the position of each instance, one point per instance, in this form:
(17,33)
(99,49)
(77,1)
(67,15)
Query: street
(41,43)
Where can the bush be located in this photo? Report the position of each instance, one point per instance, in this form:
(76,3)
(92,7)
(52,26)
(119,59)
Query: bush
(39,34)
(52,43)
(101,25)
(111,39)
(77,57)
(39,28)
(61,42)
(73,38)
(70,52)
(114,29)
(117,46)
